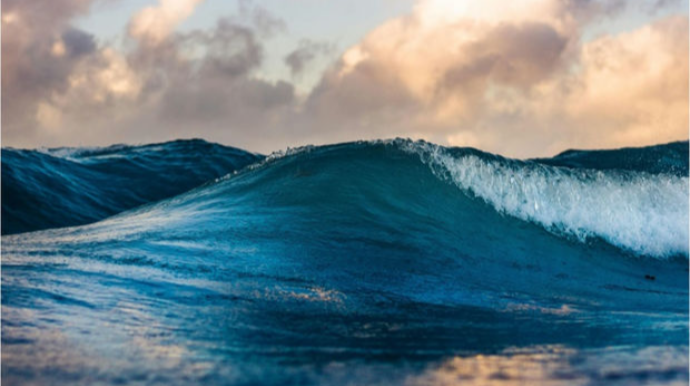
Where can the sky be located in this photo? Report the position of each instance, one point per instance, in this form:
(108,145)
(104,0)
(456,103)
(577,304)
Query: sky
(525,78)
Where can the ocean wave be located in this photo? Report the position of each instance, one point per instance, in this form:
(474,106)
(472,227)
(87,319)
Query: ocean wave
(636,204)
(638,211)
(644,212)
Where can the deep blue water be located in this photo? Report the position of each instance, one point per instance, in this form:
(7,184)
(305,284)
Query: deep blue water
(61,187)
(391,262)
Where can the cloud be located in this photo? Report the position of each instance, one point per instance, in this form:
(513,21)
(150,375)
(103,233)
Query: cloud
(207,80)
(39,52)
(154,24)
(306,52)
(220,88)
(509,77)
(264,23)
(632,88)
(512,77)
(198,83)
(429,74)
(77,43)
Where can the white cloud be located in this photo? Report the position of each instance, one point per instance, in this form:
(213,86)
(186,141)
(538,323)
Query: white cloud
(155,23)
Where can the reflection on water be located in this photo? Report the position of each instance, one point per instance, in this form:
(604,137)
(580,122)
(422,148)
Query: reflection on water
(84,327)
(546,364)
(132,346)
(556,365)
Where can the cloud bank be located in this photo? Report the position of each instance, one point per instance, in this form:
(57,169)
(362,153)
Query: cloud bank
(508,77)
(512,77)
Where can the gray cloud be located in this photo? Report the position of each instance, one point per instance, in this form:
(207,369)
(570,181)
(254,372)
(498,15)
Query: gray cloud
(199,83)
(78,42)
(265,24)
(364,104)
(517,55)
(219,87)
(306,52)
(39,51)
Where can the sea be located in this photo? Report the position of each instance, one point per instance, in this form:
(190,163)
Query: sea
(390,262)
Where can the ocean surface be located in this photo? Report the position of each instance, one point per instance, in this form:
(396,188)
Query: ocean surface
(367,263)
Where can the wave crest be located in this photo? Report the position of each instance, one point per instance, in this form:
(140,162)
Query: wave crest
(637,211)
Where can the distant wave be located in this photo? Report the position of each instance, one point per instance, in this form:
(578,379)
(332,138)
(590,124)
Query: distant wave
(60,187)
(670,158)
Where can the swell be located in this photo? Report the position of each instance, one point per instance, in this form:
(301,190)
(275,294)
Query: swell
(72,186)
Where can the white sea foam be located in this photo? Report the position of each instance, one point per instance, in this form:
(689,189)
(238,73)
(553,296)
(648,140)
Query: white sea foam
(643,213)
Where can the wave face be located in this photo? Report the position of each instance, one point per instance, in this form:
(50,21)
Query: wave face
(392,262)
(74,186)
